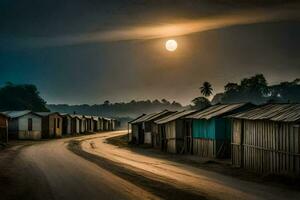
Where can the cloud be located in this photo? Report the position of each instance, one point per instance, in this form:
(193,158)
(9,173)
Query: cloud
(170,30)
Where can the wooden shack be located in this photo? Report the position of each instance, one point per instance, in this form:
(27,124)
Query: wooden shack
(66,124)
(3,128)
(267,139)
(83,125)
(96,123)
(106,124)
(51,124)
(113,124)
(101,124)
(133,129)
(24,125)
(75,124)
(109,124)
(138,128)
(171,129)
(211,132)
(151,128)
(88,123)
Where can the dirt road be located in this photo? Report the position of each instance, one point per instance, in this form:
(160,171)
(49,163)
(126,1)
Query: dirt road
(87,167)
(206,183)
(51,171)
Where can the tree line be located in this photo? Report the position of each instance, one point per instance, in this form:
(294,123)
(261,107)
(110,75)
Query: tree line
(254,89)
(123,109)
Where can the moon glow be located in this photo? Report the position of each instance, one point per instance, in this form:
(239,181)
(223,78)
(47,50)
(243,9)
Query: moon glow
(171,45)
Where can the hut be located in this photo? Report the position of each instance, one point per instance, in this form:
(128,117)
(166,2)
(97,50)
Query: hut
(171,130)
(89,123)
(75,124)
(51,124)
(109,124)
(151,128)
(66,124)
(3,128)
(82,123)
(133,129)
(101,125)
(138,127)
(210,133)
(113,124)
(267,139)
(96,123)
(106,124)
(24,125)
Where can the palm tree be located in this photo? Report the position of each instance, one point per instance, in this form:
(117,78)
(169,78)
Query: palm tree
(206,89)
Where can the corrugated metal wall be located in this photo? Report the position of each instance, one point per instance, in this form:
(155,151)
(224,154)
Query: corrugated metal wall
(236,143)
(204,147)
(211,138)
(204,129)
(171,136)
(269,147)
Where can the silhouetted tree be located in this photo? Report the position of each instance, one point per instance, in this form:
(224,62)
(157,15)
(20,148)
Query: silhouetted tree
(286,91)
(21,97)
(231,87)
(206,89)
(106,103)
(254,89)
(164,101)
(200,103)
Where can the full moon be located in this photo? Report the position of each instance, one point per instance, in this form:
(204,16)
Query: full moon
(171,45)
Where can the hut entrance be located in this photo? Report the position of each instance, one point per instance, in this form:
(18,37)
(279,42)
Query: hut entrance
(54,128)
(3,134)
(188,138)
(95,126)
(140,135)
(163,142)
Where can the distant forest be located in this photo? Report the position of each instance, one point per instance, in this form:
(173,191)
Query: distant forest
(121,110)
(254,89)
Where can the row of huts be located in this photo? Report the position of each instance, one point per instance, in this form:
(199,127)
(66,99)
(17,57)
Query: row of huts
(263,138)
(41,125)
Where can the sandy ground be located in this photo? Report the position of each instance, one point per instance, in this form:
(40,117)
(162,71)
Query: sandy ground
(203,182)
(48,170)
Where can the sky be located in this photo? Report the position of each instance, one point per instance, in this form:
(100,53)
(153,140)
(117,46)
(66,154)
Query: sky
(89,51)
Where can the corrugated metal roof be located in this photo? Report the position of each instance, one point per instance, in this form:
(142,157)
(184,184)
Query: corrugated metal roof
(175,116)
(95,117)
(132,121)
(16,114)
(164,112)
(144,118)
(65,114)
(4,115)
(273,112)
(44,114)
(215,111)
(78,116)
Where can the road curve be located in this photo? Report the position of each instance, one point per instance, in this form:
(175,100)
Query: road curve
(68,176)
(212,185)
(49,170)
